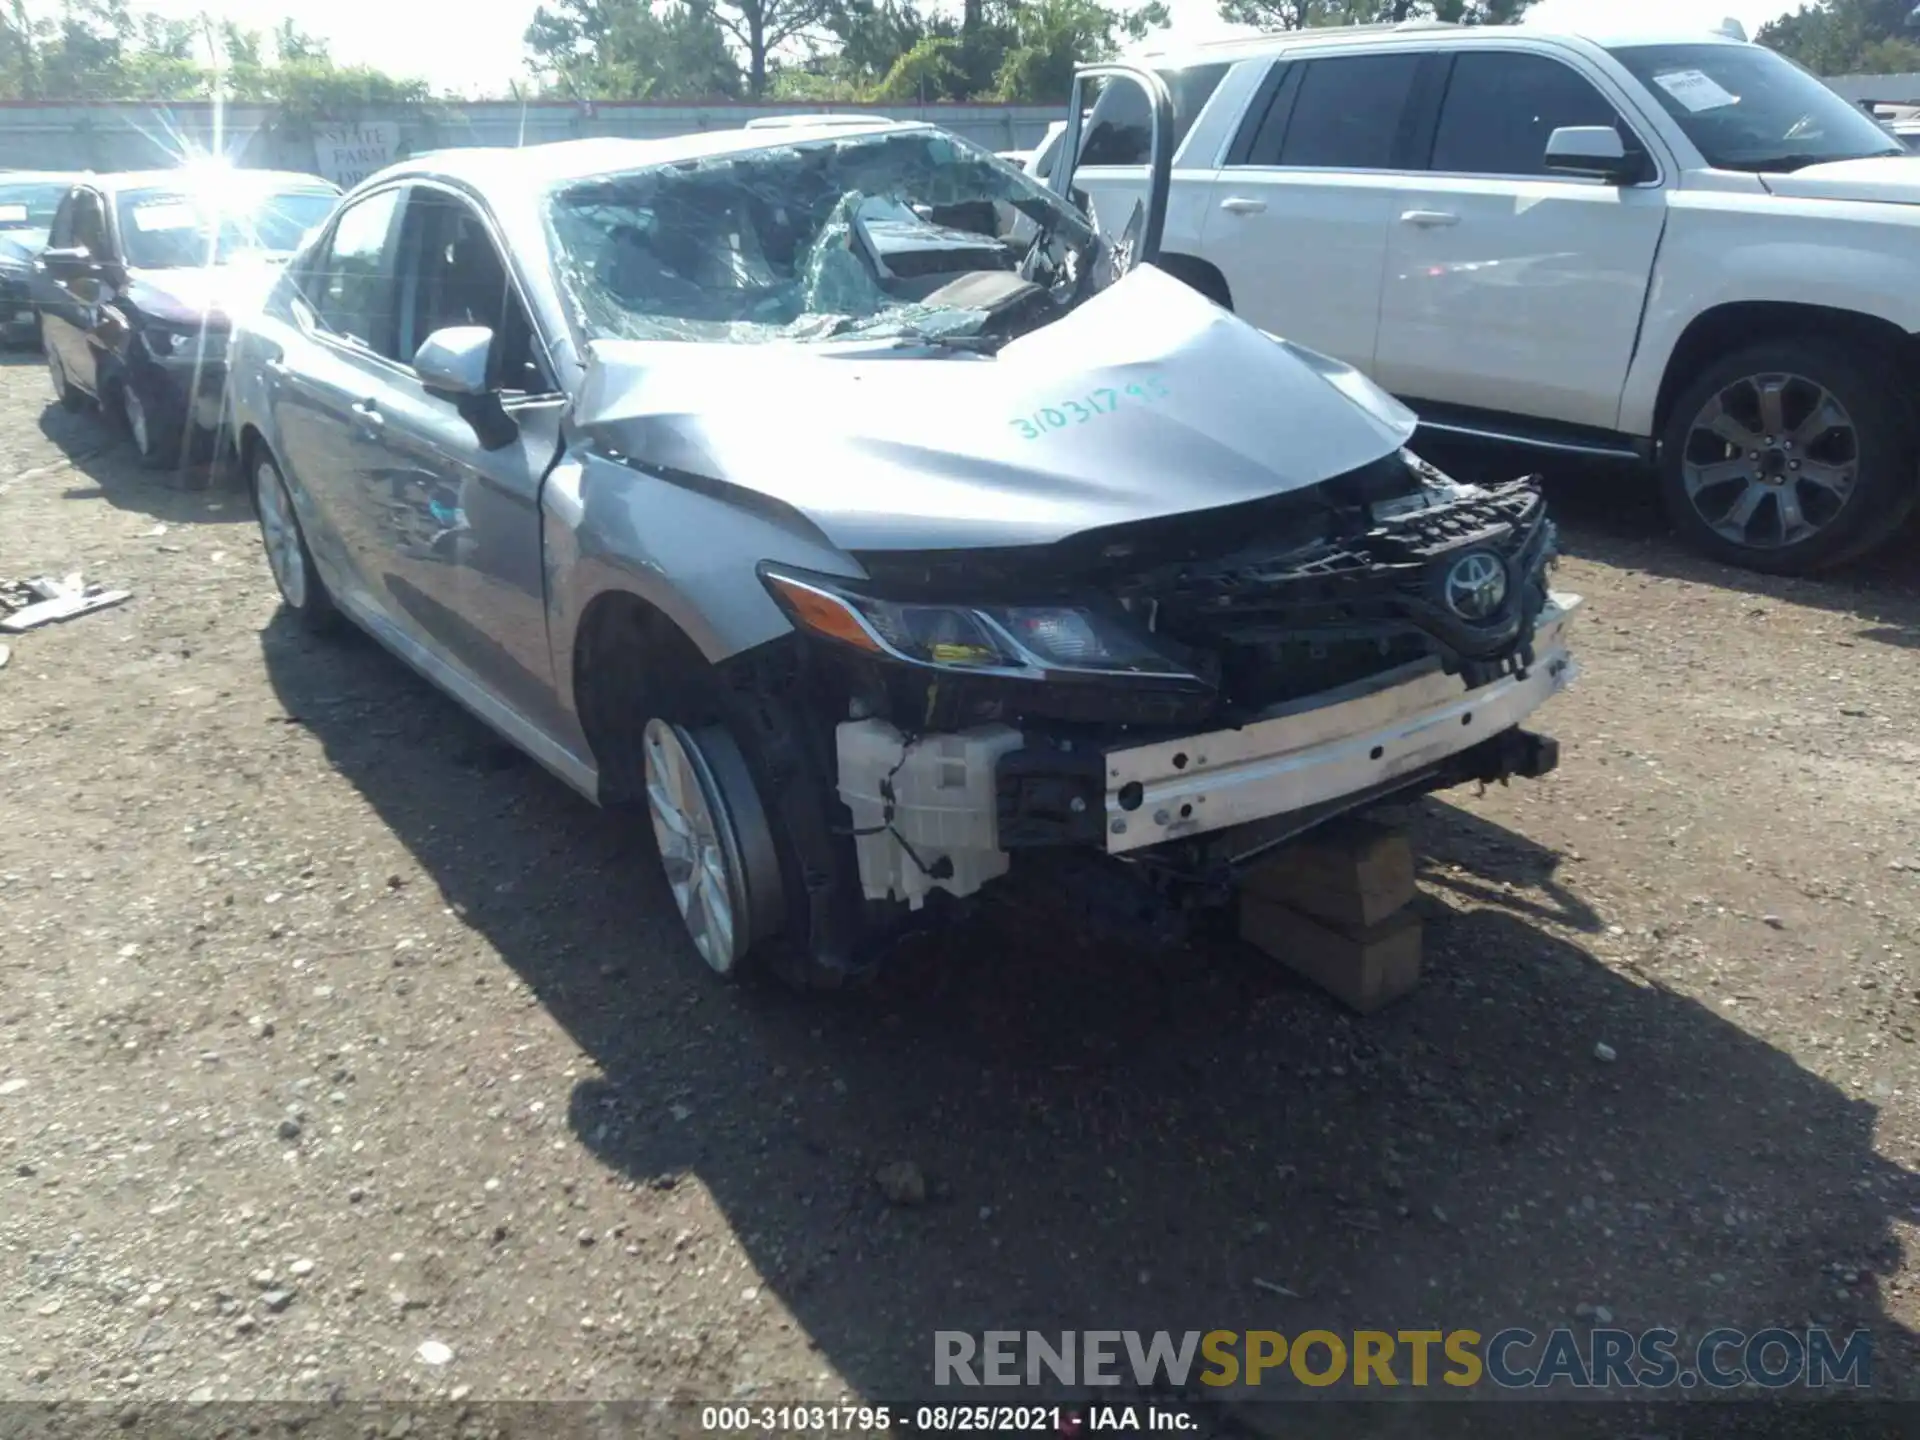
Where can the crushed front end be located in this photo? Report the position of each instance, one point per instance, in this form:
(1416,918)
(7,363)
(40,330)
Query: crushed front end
(1185,693)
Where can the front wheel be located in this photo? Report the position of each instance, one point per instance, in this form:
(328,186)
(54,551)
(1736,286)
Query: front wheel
(736,777)
(1791,456)
(157,436)
(64,390)
(715,844)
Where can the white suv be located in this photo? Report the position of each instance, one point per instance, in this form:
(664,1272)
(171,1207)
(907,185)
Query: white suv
(1682,250)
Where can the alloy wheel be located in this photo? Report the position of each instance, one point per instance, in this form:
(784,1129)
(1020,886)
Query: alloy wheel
(697,842)
(281,533)
(1770,460)
(135,411)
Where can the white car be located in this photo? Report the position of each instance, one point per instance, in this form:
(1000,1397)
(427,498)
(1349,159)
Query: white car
(1680,249)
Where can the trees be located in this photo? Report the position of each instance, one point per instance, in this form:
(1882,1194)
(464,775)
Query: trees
(108,50)
(817,50)
(1300,14)
(629,50)
(1050,37)
(1873,37)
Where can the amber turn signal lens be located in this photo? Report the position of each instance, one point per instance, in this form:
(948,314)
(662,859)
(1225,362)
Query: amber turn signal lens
(823,614)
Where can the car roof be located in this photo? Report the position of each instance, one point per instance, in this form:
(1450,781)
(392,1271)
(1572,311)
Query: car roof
(184,177)
(41,177)
(838,119)
(1419,33)
(487,167)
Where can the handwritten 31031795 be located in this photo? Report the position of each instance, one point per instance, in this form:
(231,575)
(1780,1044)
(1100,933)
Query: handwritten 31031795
(1082,409)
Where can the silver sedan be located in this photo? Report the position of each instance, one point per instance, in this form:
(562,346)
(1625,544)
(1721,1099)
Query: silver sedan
(842,498)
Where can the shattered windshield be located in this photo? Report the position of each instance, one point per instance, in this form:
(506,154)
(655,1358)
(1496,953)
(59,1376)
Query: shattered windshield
(906,233)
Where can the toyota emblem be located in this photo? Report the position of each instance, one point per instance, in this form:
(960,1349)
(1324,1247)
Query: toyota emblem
(1476,586)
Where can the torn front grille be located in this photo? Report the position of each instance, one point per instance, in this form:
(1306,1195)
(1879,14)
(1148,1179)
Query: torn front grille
(1463,580)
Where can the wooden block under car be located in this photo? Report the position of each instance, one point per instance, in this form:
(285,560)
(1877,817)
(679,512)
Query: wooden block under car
(1363,969)
(1352,872)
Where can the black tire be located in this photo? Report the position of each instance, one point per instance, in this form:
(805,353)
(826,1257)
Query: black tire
(815,934)
(308,601)
(1843,410)
(68,396)
(158,434)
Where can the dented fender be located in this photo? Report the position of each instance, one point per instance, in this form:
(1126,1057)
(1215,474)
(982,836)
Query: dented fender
(611,527)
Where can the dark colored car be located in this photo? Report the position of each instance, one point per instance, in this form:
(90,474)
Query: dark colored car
(141,280)
(28,199)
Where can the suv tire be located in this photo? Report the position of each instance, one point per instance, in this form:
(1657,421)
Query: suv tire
(1791,456)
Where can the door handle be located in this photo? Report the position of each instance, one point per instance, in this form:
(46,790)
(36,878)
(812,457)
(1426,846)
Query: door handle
(367,418)
(1242,205)
(1429,218)
(276,368)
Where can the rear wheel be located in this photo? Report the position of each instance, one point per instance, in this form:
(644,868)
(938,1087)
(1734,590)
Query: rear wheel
(301,588)
(1791,456)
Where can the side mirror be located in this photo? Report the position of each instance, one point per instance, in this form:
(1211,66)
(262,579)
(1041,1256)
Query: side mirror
(453,364)
(1596,151)
(67,260)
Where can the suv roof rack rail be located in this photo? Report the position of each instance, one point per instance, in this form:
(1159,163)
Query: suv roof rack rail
(1314,32)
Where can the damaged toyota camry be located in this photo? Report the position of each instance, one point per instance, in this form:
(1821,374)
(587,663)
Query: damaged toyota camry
(845,502)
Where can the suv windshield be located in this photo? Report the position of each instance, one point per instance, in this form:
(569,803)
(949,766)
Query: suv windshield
(165,229)
(30,207)
(1749,108)
(901,233)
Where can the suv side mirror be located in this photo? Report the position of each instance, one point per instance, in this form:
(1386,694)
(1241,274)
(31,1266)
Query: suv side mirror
(1593,150)
(67,260)
(453,364)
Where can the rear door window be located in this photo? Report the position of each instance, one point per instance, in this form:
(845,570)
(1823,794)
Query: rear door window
(351,285)
(1347,112)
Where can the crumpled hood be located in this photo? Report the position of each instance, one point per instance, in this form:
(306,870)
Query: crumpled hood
(211,295)
(1146,401)
(18,247)
(1891,179)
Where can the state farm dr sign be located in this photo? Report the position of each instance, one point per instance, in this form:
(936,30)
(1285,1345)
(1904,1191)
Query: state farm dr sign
(347,154)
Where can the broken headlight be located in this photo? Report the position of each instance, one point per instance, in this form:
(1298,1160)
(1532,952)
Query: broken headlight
(197,341)
(1034,642)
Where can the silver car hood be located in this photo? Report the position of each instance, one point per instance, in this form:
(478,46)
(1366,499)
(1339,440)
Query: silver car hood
(1146,401)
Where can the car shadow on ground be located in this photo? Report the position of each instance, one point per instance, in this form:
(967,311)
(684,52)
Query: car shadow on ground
(1162,1138)
(1612,514)
(102,465)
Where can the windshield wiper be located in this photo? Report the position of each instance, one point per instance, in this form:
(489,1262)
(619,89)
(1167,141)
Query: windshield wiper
(968,344)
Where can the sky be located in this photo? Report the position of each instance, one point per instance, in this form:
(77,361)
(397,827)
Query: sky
(472,46)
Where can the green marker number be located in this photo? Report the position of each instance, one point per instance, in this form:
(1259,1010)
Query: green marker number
(1104,401)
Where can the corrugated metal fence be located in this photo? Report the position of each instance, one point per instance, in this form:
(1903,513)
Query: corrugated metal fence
(138,136)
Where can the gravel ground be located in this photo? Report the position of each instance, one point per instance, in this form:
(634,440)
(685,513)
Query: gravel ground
(336,1041)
